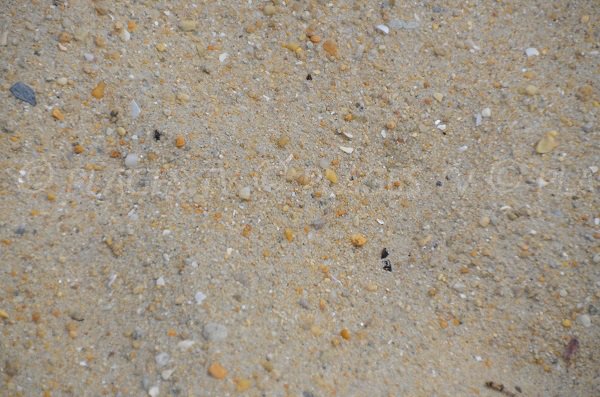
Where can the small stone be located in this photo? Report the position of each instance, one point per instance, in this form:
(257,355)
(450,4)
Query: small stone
(214,332)
(223,57)
(166,374)
(182,97)
(131,160)
(531,90)
(486,112)
(331,176)
(3,314)
(154,391)
(283,141)
(185,344)
(217,371)
(484,221)
(382,28)
(161,47)
(244,193)
(179,141)
(438,96)
(78,149)
(162,359)
(358,240)
(134,109)
(269,10)
(98,91)
(585,93)
(344,333)
(532,52)
(57,114)
(242,384)
(62,81)
(346,149)
(188,25)
(584,320)
(566,323)
(23,92)
(331,48)
(288,234)
(199,297)
(548,143)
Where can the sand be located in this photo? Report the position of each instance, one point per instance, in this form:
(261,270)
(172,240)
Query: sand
(199,202)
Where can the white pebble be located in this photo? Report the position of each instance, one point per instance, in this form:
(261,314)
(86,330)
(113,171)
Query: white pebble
(135,109)
(88,57)
(486,112)
(223,57)
(185,344)
(346,149)
(214,332)
(244,193)
(62,81)
(125,35)
(160,282)
(199,297)
(532,52)
(154,391)
(131,161)
(166,374)
(383,29)
(584,320)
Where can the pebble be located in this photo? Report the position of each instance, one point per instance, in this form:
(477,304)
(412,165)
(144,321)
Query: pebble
(584,320)
(217,371)
(484,221)
(331,48)
(244,193)
(223,57)
(438,96)
(124,35)
(188,25)
(23,92)
(358,240)
(214,332)
(62,81)
(331,176)
(548,143)
(98,91)
(185,344)
(486,112)
(135,109)
(131,160)
(154,391)
(531,90)
(166,374)
(269,10)
(596,258)
(179,141)
(346,149)
(57,114)
(199,297)
(532,52)
(162,359)
(383,29)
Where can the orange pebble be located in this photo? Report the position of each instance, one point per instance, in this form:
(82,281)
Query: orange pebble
(345,334)
(57,114)
(217,371)
(98,91)
(180,141)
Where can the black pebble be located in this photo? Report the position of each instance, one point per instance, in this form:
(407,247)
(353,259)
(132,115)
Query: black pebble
(23,92)
(157,135)
(309,77)
(438,183)
(384,253)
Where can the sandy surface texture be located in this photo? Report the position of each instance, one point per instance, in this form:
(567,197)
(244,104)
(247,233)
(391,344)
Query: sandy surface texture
(299,198)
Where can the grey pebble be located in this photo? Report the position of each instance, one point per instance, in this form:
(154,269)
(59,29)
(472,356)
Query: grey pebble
(214,332)
(24,93)
(584,320)
(162,359)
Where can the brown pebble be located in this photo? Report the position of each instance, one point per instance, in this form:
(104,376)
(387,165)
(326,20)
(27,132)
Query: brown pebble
(65,37)
(345,334)
(78,149)
(288,234)
(57,114)
(180,141)
(217,371)
(330,48)
(98,91)
(358,240)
